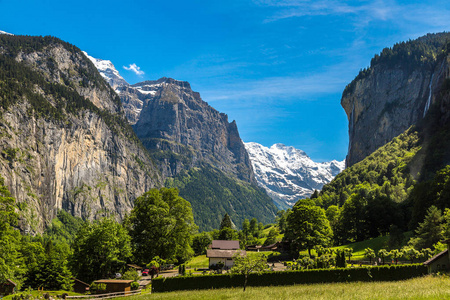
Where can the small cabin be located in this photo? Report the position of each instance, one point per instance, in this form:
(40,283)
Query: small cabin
(80,287)
(7,288)
(115,285)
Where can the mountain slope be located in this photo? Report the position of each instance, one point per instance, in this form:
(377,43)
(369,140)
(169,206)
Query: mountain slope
(393,94)
(65,141)
(197,150)
(288,174)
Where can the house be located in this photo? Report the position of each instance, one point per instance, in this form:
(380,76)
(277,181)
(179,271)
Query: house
(439,262)
(7,288)
(80,286)
(221,251)
(115,285)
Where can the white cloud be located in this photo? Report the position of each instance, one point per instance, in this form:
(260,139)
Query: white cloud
(135,69)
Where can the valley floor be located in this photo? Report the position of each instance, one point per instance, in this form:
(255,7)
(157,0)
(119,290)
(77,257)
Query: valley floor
(428,287)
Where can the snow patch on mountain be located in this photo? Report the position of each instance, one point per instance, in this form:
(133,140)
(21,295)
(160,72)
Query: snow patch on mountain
(288,174)
(108,71)
(4,32)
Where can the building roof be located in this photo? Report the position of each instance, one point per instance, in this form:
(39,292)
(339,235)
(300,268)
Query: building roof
(436,257)
(82,282)
(9,282)
(120,281)
(134,266)
(225,245)
(213,253)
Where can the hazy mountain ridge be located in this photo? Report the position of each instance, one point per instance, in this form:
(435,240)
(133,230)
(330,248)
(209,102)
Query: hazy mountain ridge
(288,174)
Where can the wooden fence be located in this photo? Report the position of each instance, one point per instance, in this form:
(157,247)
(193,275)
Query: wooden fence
(107,296)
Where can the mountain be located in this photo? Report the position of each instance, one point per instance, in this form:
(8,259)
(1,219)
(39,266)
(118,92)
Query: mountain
(407,85)
(66,143)
(394,93)
(288,174)
(108,71)
(4,32)
(197,151)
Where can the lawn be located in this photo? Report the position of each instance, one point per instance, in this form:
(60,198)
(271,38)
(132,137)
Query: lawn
(196,262)
(427,287)
(358,247)
(40,294)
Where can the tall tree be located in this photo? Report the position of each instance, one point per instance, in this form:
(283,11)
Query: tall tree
(100,249)
(307,226)
(161,224)
(226,222)
(11,262)
(430,231)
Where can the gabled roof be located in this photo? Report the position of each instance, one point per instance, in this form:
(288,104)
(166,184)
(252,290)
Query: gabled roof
(120,281)
(436,257)
(213,253)
(82,282)
(225,245)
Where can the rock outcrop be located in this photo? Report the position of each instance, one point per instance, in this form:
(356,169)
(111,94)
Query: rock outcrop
(393,94)
(65,141)
(182,131)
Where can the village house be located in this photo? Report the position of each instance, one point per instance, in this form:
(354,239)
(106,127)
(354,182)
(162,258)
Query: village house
(439,262)
(7,288)
(222,252)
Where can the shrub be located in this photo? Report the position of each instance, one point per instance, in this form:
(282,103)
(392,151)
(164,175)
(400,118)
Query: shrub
(134,285)
(379,273)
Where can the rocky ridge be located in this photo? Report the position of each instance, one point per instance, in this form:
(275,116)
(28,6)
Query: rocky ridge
(393,94)
(72,148)
(288,174)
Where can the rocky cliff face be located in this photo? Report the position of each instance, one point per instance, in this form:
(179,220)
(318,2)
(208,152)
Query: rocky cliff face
(182,131)
(288,174)
(393,94)
(65,142)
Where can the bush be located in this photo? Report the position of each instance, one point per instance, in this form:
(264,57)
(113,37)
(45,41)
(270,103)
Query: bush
(380,273)
(97,288)
(134,285)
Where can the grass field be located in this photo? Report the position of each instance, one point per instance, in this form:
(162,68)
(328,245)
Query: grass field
(419,288)
(200,261)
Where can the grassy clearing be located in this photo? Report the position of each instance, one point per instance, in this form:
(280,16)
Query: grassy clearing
(419,288)
(40,294)
(358,247)
(200,261)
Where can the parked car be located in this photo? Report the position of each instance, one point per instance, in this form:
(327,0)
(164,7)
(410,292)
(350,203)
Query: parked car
(145,272)
(118,275)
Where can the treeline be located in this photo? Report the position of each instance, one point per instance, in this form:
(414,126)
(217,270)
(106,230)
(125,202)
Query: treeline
(213,194)
(410,55)
(159,229)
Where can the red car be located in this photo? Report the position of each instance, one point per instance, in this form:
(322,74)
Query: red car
(145,272)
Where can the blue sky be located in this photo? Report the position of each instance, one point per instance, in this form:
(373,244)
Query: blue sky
(277,67)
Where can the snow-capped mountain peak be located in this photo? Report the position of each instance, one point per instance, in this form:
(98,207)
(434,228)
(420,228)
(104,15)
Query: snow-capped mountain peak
(288,174)
(108,71)
(4,32)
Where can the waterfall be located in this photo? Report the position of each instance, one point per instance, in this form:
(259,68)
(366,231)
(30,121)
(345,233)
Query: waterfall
(427,105)
(430,93)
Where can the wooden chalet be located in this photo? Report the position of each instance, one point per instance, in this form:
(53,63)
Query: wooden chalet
(7,288)
(115,285)
(80,286)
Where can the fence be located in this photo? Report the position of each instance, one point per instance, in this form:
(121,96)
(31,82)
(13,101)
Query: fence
(107,296)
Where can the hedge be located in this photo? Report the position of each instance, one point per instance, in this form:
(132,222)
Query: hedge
(379,273)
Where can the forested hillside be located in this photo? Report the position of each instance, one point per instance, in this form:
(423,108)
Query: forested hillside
(397,183)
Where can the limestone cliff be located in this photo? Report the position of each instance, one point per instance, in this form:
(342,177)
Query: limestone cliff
(65,141)
(393,94)
(182,131)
